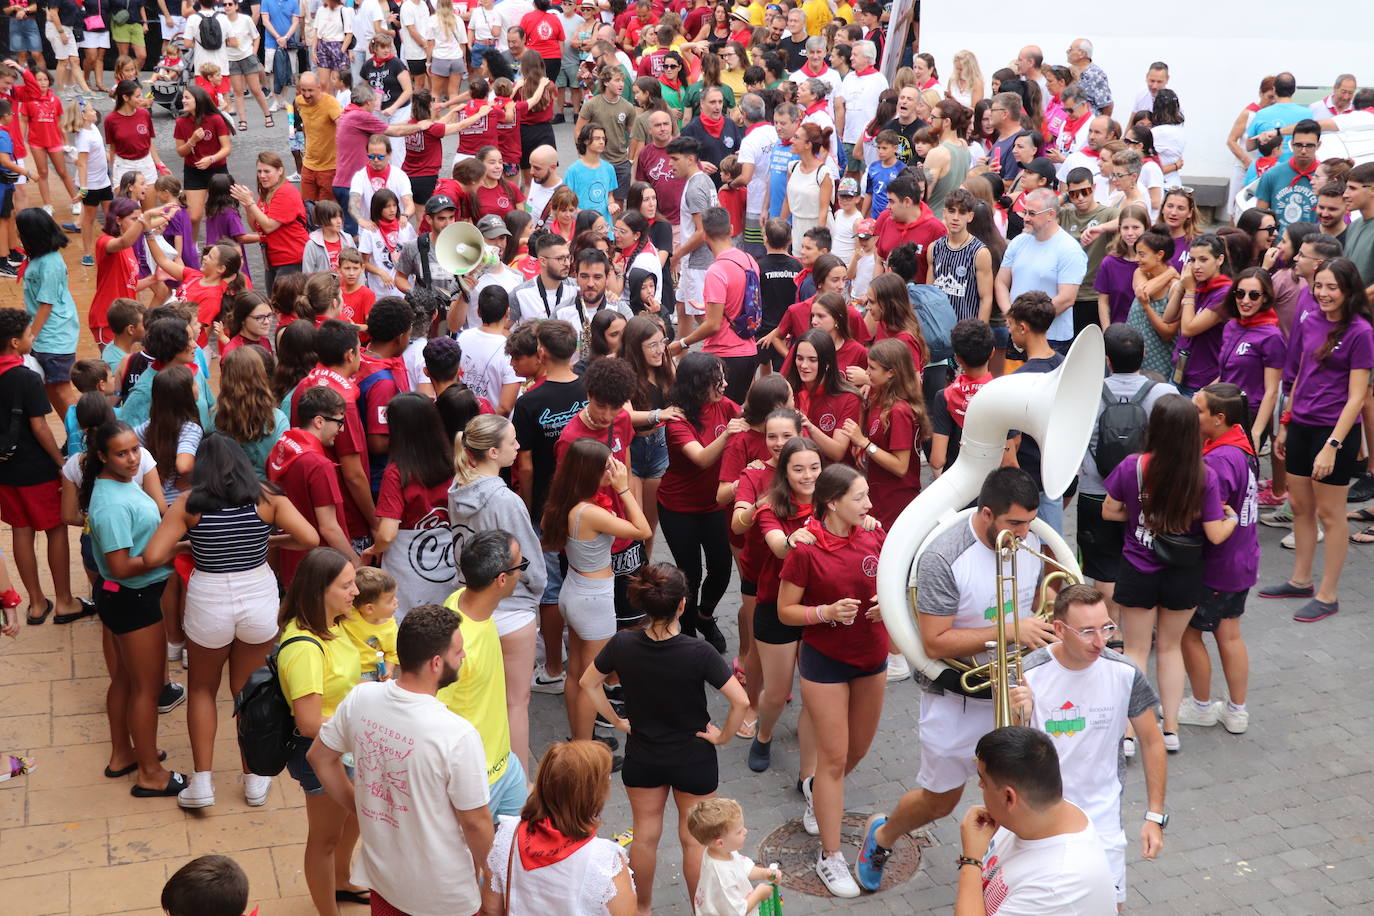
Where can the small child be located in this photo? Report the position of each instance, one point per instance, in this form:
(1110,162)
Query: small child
(207,886)
(87,375)
(923,141)
(357,297)
(344,93)
(126,324)
(372,625)
(213,82)
(726,887)
(90,167)
(882,172)
(381,246)
(843,221)
(733,198)
(863,263)
(10,172)
(323,245)
(170,67)
(178,232)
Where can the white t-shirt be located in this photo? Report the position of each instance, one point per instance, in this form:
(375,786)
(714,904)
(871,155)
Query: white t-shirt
(864,269)
(724,886)
(1064,875)
(414,357)
(244,29)
(539,196)
(757,147)
(486,367)
(370,243)
(1170,143)
(417,763)
(365,18)
(486,26)
(449,46)
(71,469)
(1085,712)
(580,885)
(511,12)
(502,276)
(842,234)
(218,57)
(333,25)
(860,94)
(89,141)
(414,14)
(365,184)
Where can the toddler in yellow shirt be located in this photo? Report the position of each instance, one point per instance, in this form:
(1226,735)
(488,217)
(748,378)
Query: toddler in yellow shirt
(372,624)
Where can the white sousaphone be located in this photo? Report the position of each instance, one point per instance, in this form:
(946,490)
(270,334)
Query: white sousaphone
(1058,409)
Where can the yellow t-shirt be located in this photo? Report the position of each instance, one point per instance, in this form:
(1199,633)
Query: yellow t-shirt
(304,670)
(318,122)
(479,694)
(818,15)
(371,638)
(845,11)
(757,13)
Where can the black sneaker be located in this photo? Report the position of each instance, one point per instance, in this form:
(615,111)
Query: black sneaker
(1362,490)
(760,755)
(614,692)
(172,696)
(710,632)
(8,270)
(603,723)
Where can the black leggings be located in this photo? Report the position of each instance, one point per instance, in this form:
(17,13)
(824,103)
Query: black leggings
(689,535)
(739,375)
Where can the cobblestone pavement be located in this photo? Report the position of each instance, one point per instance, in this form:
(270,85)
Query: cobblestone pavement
(1273,822)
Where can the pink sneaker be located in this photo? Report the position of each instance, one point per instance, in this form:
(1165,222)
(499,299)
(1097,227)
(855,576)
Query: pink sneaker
(1267,497)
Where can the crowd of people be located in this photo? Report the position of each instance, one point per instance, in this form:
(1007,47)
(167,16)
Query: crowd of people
(430,489)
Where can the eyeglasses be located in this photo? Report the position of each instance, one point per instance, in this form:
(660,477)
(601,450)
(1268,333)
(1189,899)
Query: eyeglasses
(557,257)
(518,567)
(1303,145)
(1254,295)
(265,316)
(1080,193)
(339,421)
(655,345)
(1107,631)
(1130,142)
(1038,212)
(997,109)
(377,157)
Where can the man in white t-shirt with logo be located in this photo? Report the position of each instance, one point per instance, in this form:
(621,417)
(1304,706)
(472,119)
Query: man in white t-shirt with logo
(857,101)
(754,156)
(957,609)
(420,789)
(1082,695)
(544,180)
(1028,851)
(377,174)
(486,367)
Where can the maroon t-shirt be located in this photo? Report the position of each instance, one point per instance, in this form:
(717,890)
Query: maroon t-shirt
(768,564)
(424,152)
(829,572)
(753,483)
(500,200)
(214,125)
(828,412)
(310,482)
(741,449)
(657,169)
(413,504)
(891,494)
(686,487)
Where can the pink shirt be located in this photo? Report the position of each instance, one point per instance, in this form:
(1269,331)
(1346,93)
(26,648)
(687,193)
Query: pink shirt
(355,126)
(725,283)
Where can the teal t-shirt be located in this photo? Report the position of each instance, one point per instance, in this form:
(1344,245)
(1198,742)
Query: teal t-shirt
(113,356)
(258,450)
(123,516)
(140,399)
(45,281)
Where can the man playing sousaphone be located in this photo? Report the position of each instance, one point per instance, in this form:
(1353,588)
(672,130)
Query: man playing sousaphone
(956,577)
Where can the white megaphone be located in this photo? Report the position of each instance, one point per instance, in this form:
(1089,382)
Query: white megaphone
(461,249)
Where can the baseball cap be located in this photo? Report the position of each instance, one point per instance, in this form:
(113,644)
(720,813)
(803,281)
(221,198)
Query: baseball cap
(1042,167)
(849,187)
(492,226)
(865,228)
(438,204)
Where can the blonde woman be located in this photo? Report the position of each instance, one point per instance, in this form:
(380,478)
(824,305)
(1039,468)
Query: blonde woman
(448,65)
(965,84)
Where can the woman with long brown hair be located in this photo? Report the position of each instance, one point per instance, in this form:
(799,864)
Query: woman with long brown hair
(278,215)
(890,315)
(246,411)
(535,110)
(887,443)
(823,396)
(644,346)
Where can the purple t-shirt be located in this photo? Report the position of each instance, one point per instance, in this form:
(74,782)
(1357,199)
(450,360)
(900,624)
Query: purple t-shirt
(1205,347)
(355,125)
(1321,387)
(1233,565)
(226,224)
(1114,277)
(1121,486)
(1246,353)
(180,224)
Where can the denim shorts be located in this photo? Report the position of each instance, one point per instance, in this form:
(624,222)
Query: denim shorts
(649,455)
(553,585)
(479,51)
(24,36)
(301,771)
(57,367)
(508,793)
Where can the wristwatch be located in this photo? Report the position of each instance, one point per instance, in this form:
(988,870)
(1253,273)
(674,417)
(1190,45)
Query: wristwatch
(872,448)
(1334,442)
(1161,819)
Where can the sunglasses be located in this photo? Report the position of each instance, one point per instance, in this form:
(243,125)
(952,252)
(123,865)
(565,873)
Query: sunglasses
(1129,141)
(1080,193)
(1254,295)
(518,567)
(377,157)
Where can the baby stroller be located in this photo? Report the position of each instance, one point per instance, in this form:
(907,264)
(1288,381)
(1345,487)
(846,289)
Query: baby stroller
(167,92)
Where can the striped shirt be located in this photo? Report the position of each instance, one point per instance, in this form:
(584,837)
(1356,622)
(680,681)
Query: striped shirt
(230,540)
(952,270)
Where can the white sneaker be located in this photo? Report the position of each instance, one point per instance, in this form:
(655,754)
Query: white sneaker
(898,668)
(1290,540)
(809,815)
(834,874)
(199,793)
(294,177)
(47,208)
(1171,742)
(1189,713)
(174,650)
(76,207)
(1128,748)
(543,683)
(275,106)
(1235,721)
(255,789)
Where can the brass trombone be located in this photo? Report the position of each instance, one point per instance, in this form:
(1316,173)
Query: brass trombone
(1002,671)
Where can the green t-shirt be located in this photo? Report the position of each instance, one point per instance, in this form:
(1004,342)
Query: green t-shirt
(1359,247)
(123,517)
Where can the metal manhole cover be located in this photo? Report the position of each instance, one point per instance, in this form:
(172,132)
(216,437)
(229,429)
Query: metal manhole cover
(795,852)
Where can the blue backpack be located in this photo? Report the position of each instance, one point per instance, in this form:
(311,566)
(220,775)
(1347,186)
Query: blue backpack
(936,314)
(746,323)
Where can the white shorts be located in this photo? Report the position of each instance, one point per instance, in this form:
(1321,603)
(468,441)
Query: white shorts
(223,607)
(61,50)
(951,725)
(178,28)
(95,40)
(588,605)
(691,288)
(144,165)
(508,622)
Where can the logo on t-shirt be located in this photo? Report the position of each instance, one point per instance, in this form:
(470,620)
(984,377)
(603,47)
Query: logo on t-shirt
(827,422)
(1066,721)
(543,31)
(870,566)
(661,170)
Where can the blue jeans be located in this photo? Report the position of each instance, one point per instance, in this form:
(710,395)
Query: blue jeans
(24,36)
(341,198)
(1052,512)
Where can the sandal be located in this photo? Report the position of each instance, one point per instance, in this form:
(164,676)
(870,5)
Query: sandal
(1361,515)
(87,610)
(243,126)
(269,122)
(1363,537)
(125,771)
(35,621)
(362,897)
(747,729)
(175,784)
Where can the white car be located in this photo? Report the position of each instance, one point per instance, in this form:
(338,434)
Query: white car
(1354,140)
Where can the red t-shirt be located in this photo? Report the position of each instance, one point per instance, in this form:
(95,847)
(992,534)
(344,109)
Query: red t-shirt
(131,135)
(216,91)
(286,244)
(618,437)
(925,229)
(752,483)
(692,23)
(544,34)
(508,132)
(44,114)
(841,568)
(481,132)
(852,353)
(686,487)
(769,566)
(116,277)
(352,439)
(891,494)
(524,114)
(741,449)
(424,151)
(829,411)
(733,200)
(796,321)
(651,64)
(414,505)
(357,304)
(500,200)
(331,251)
(209,300)
(310,481)
(214,125)
(906,337)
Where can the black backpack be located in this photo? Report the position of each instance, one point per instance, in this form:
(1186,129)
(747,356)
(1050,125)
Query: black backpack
(12,424)
(211,37)
(266,725)
(1120,427)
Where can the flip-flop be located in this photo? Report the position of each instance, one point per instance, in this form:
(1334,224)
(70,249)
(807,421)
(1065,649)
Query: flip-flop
(747,729)
(175,784)
(87,610)
(1361,515)
(362,897)
(125,771)
(1363,537)
(41,618)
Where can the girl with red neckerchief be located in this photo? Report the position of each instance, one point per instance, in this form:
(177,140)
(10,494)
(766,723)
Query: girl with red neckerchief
(1198,304)
(829,587)
(830,313)
(41,115)
(219,279)
(824,398)
(1253,349)
(890,316)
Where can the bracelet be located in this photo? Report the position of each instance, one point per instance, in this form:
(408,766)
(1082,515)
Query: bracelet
(657,412)
(969,860)
(622,492)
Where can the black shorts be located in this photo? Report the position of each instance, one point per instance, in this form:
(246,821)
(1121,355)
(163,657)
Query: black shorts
(818,668)
(194,179)
(533,136)
(1217,606)
(695,772)
(768,628)
(417,67)
(748,588)
(125,609)
(422,186)
(97,196)
(551,67)
(1099,541)
(1305,442)
(1175,589)
(6,201)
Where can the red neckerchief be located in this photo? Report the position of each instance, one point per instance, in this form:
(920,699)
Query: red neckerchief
(806,68)
(1299,175)
(10,361)
(803,399)
(293,444)
(1212,285)
(373,175)
(1154,159)
(867,71)
(389,229)
(1072,126)
(1259,319)
(930,82)
(540,844)
(814,107)
(754,127)
(801,277)
(825,539)
(1233,436)
(713,126)
(1091,153)
(372,364)
(958,393)
(672,83)
(377,61)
